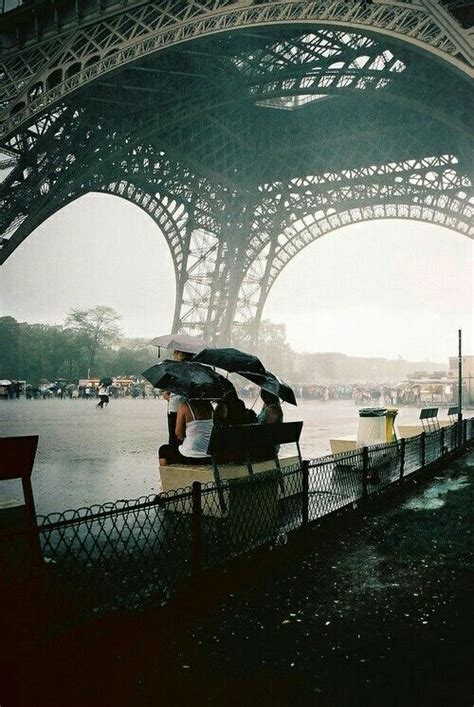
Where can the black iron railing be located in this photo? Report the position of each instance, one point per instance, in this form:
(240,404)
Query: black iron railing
(7,5)
(129,554)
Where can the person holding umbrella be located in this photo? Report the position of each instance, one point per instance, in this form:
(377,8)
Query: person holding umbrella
(174,401)
(194,420)
(183,348)
(104,391)
(233,412)
(271,411)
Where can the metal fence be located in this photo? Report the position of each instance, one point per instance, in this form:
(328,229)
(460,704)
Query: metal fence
(131,554)
(7,5)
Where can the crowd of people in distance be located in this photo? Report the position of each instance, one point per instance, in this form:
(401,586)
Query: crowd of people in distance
(69,390)
(190,422)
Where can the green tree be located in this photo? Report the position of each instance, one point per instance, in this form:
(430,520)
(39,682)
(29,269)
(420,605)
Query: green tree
(10,332)
(95,328)
(134,356)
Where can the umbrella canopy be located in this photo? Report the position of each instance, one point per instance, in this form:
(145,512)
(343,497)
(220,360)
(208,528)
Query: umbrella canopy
(5,382)
(271,384)
(105,381)
(179,342)
(192,380)
(230,360)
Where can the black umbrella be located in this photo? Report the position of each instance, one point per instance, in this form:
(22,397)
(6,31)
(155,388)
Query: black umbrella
(192,380)
(271,384)
(230,360)
(106,381)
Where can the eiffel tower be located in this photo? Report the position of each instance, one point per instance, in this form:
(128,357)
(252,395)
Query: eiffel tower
(245,129)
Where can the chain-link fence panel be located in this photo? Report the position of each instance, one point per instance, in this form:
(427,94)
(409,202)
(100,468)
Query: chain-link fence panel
(132,553)
(290,508)
(118,554)
(432,447)
(240,515)
(383,466)
(334,482)
(412,455)
(470,429)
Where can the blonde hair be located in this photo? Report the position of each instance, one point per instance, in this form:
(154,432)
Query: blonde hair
(182,356)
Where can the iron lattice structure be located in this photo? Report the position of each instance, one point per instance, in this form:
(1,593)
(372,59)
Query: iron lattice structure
(245,129)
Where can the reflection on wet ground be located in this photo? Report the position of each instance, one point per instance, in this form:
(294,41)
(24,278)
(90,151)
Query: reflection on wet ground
(375,613)
(436,495)
(88,456)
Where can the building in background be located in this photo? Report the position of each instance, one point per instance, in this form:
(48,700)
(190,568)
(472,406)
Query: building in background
(467,376)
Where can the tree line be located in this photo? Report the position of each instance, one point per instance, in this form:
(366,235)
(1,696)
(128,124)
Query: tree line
(88,341)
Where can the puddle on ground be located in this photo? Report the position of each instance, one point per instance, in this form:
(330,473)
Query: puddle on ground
(435,496)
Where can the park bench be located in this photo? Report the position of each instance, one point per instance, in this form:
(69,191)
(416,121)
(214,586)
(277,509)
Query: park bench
(19,546)
(237,451)
(429,422)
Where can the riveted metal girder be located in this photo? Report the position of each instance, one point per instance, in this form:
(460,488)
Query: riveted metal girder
(52,50)
(244,146)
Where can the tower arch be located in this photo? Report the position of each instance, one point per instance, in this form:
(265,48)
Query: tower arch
(272,259)
(246,134)
(101,45)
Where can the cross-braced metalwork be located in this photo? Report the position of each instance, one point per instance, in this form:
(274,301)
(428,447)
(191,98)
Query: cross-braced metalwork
(246,129)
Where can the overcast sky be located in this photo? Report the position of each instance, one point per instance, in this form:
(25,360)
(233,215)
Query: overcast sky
(385,288)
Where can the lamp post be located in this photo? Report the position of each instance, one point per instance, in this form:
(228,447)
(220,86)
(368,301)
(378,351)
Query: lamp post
(460,385)
(459,375)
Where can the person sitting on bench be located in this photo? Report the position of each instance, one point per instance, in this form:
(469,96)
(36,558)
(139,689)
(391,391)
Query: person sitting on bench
(194,423)
(232,411)
(271,411)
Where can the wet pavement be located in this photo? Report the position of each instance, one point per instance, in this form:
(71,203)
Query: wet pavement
(376,613)
(88,456)
(371,609)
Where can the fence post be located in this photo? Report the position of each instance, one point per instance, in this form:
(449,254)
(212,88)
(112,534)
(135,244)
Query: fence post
(441,442)
(423,449)
(365,470)
(402,458)
(197,542)
(305,492)
(459,429)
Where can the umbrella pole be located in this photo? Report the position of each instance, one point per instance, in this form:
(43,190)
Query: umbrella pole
(253,404)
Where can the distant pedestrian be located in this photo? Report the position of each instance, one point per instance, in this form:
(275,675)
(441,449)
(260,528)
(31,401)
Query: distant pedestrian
(104,391)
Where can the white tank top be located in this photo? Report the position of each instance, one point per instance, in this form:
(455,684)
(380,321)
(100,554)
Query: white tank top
(198,434)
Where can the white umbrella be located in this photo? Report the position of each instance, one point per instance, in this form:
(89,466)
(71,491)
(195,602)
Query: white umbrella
(5,382)
(180,342)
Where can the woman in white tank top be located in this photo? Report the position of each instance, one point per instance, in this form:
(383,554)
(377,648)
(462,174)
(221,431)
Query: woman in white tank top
(193,426)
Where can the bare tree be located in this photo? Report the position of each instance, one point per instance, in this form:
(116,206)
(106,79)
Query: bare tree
(95,327)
